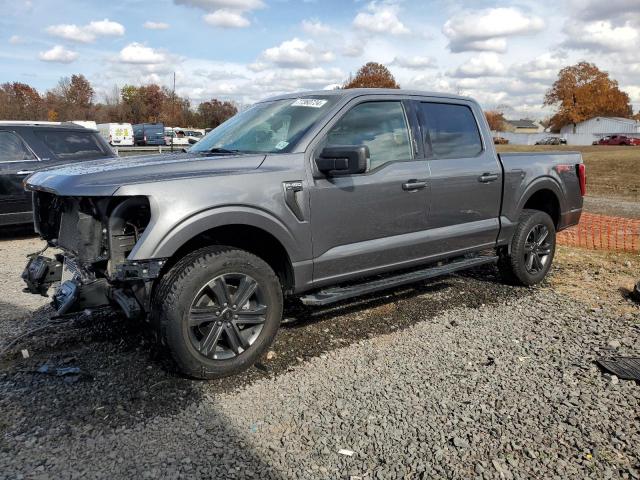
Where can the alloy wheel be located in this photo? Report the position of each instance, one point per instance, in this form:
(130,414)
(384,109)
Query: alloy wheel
(537,249)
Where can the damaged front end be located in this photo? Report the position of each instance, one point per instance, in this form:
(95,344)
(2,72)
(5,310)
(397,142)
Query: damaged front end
(95,236)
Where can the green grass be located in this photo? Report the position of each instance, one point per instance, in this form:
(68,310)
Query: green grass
(612,172)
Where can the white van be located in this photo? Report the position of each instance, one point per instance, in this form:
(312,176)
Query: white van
(117,134)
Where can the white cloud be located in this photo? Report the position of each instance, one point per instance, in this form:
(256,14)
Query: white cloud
(87,33)
(488,29)
(601,36)
(316,27)
(16,39)
(597,9)
(416,62)
(227,19)
(155,25)
(544,67)
(141,54)
(482,65)
(58,54)
(380,18)
(296,52)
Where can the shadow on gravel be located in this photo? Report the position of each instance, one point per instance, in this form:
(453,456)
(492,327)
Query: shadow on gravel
(124,380)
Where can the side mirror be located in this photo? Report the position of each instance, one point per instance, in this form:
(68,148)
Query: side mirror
(343,160)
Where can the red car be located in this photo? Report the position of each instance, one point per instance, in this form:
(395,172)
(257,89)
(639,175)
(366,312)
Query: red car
(617,140)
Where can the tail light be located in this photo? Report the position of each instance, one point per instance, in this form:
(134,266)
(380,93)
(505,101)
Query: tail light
(582,178)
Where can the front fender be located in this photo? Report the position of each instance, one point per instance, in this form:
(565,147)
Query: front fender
(153,245)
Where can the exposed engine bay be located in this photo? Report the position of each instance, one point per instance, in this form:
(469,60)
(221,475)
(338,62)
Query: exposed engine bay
(95,236)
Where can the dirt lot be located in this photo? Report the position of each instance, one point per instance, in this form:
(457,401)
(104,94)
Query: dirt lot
(459,377)
(611,171)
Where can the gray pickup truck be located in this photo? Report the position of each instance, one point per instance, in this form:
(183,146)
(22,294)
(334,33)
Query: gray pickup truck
(320,195)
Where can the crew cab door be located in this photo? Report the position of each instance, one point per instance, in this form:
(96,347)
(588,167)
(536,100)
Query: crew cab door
(17,161)
(365,223)
(466,177)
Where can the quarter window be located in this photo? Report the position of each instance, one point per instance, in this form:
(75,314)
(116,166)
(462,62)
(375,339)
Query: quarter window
(381,126)
(451,129)
(13,149)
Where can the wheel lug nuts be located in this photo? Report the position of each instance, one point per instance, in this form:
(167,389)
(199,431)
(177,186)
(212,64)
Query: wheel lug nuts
(235,316)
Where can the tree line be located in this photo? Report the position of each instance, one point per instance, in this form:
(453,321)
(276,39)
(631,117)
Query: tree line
(73,98)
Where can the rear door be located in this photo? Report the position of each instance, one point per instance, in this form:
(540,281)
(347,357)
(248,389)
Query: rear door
(466,177)
(370,222)
(17,161)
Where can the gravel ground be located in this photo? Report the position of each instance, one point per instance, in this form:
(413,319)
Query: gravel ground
(461,377)
(611,206)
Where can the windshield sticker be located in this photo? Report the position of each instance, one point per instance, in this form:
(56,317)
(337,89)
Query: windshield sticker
(281,145)
(309,102)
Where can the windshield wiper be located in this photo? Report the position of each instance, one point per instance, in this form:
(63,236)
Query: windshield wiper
(223,151)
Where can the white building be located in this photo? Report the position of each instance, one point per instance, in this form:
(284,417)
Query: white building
(600,126)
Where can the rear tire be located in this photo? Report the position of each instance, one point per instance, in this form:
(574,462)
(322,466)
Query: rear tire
(532,249)
(218,310)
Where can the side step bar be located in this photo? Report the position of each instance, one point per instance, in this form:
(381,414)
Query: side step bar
(337,294)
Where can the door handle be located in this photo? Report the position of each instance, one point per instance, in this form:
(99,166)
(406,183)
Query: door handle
(488,177)
(414,185)
(24,172)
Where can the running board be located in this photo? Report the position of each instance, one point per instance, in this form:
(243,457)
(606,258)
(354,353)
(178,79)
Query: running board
(337,294)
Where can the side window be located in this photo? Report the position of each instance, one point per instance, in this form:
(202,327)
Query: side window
(382,126)
(452,130)
(72,145)
(13,149)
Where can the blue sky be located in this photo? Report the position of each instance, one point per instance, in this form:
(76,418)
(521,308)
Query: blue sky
(505,53)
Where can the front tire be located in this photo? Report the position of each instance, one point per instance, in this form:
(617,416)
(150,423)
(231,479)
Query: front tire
(218,310)
(532,249)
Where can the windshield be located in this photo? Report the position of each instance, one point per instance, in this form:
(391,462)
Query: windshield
(268,127)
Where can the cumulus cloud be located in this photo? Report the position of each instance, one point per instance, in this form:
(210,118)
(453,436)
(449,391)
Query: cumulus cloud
(58,54)
(487,30)
(482,65)
(315,27)
(590,10)
(155,25)
(380,18)
(87,33)
(415,62)
(138,53)
(601,36)
(211,5)
(296,52)
(544,67)
(227,19)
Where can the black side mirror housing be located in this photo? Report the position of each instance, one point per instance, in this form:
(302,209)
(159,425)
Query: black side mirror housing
(343,160)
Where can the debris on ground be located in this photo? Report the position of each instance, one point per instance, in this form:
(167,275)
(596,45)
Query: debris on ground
(25,353)
(344,451)
(626,368)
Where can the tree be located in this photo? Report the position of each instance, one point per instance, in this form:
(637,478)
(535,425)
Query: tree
(214,112)
(19,101)
(372,75)
(495,120)
(583,91)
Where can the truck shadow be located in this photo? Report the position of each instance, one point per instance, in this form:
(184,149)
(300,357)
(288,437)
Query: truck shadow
(17,232)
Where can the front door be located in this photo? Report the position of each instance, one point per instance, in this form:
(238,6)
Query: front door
(466,178)
(17,161)
(365,223)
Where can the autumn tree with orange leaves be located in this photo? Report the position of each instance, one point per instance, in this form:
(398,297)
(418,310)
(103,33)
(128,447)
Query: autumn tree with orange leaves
(372,75)
(583,91)
(495,119)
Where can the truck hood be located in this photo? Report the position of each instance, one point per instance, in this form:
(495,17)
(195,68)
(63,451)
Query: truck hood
(104,177)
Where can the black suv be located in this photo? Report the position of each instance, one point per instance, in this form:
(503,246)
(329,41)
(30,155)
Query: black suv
(26,147)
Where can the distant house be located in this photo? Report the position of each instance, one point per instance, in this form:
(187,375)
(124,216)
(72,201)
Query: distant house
(603,126)
(522,126)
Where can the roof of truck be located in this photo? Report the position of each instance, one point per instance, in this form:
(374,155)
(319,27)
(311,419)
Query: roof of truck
(357,92)
(43,125)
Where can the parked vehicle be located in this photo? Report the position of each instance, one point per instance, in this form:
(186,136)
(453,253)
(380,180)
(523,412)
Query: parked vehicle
(148,134)
(175,136)
(552,141)
(617,140)
(26,147)
(117,134)
(500,141)
(90,124)
(194,135)
(321,195)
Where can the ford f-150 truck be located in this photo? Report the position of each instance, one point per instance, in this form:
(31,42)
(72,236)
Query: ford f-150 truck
(320,195)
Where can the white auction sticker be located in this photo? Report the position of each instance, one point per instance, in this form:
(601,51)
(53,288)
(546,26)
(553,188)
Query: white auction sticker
(309,102)
(281,145)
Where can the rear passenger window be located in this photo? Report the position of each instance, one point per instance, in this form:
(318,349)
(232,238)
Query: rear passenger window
(452,130)
(381,126)
(72,145)
(13,149)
